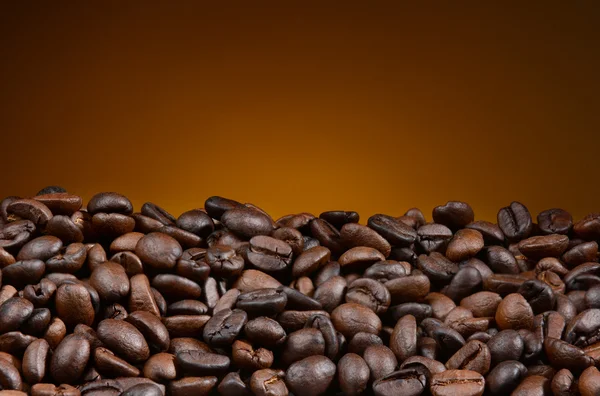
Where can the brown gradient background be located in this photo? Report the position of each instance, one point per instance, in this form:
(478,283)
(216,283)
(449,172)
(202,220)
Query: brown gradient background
(304,106)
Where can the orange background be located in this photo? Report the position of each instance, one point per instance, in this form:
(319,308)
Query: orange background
(296,106)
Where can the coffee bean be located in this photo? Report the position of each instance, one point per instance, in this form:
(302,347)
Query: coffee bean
(403,340)
(360,257)
(251,280)
(233,385)
(224,326)
(198,363)
(246,357)
(381,361)
(408,381)
(463,382)
(192,386)
(353,374)
(339,217)
(247,222)
(411,288)
(505,377)
(555,221)
(515,221)
(310,376)
(262,302)
(158,250)
(534,385)
(514,312)
(123,339)
(474,356)
(492,234)
(70,359)
(354,235)
(265,331)
(464,244)
(564,355)
(176,287)
(351,318)
(268,382)
(433,237)
(454,214)
(394,231)
(538,247)
(303,343)
(588,228)
(589,382)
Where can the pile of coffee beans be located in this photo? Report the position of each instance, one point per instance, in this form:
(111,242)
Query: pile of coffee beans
(225,300)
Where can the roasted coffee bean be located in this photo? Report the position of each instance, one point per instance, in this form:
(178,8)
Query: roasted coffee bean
(492,234)
(154,331)
(123,339)
(453,382)
(433,237)
(358,258)
(409,381)
(505,377)
(246,357)
(330,293)
(113,366)
(506,345)
(109,202)
(224,326)
(303,343)
(65,229)
(125,242)
(475,356)
(111,282)
(338,218)
(394,231)
(582,253)
(29,209)
(515,221)
(454,214)
(233,385)
(403,340)
(514,312)
(538,247)
(310,376)
(185,325)
(35,361)
(13,313)
(262,302)
(411,288)
(159,250)
(247,222)
(298,300)
(438,268)
(353,374)
(269,254)
(564,355)
(589,382)
(74,304)
(555,221)
(467,280)
(265,331)
(268,382)
(465,244)
(381,361)
(199,363)
(16,234)
(70,359)
(354,235)
(351,318)
(176,287)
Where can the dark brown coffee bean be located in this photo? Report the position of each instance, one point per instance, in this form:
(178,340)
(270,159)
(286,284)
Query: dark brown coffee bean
(141,297)
(189,307)
(74,304)
(65,229)
(330,293)
(124,340)
(506,345)
(555,221)
(224,326)
(466,281)
(505,377)
(403,340)
(380,360)
(387,270)
(482,304)
(262,302)
(310,376)
(515,221)
(538,247)
(16,234)
(196,222)
(70,359)
(433,237)
(35,361)
(441,305)
(438,268)
(247,222)
(303,343)
(534,385)
(338,218)
(269,254)
(29,209)
(109,202)
(41,293)
(109,364)
(351,318)
(55,332)
(265,332)
(143,390)
(432,365)
(160,367)
(69,259)
(564,355)
(370,293)
(41,248)
(580,254)
(224,261)
(154,331)
(246,357)
(268,382)
(452,382)
(111,282)
(13,313)
(176,287)
(298,300)
(353,374)
(454,214)
(185,325)
(409,381)
(22,273)
(298,221)
(112,225)
(411,288)
(354,235)
(310,261)
(198,363)
(418,310)
(233,385)
(159,250)
(327,235)
(394,231)
(492,234)
(588,228)
(215,206)
(360,258)
(181,344)
(474,356)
